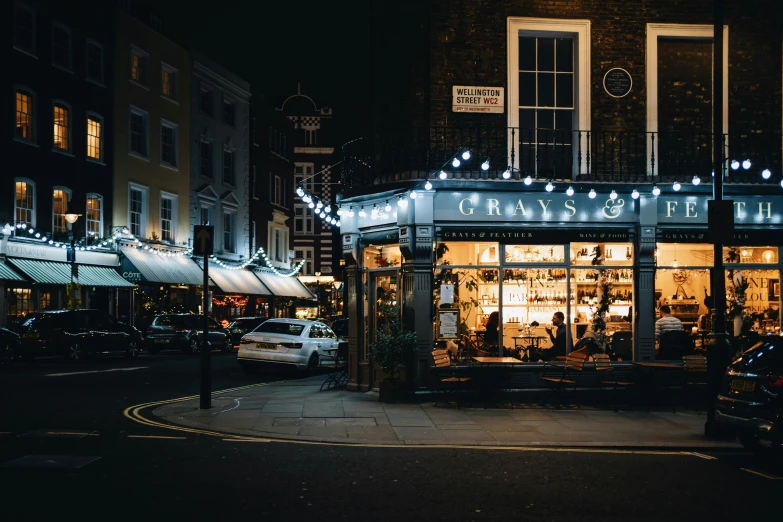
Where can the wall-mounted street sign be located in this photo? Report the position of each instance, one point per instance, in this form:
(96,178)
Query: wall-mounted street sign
(469,98)
(203,240)
(617,82)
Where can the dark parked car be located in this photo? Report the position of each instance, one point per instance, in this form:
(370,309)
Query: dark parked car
(76,333)
(9,346)
(185,332)
(243,325)
(340,327)
(751,395)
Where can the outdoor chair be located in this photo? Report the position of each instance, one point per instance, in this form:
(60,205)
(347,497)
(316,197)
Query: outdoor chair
(694,376)
(607,378)
(674,345)
(621,346)
(338,374)
(471,348)
(563,378)
(449,381)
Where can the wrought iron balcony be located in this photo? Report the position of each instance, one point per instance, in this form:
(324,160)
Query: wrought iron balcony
(548,154)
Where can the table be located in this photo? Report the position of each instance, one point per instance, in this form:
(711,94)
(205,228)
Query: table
(489,382)
(529,343)
(338,377)
(646,377)
(497,360)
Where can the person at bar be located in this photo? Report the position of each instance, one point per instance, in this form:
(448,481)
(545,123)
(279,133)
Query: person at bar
(667,322)
(558,340)
(491,336)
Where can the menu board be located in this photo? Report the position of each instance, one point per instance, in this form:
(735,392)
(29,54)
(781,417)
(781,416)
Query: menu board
(448,323)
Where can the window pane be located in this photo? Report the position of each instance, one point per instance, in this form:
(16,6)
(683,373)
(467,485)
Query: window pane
(135,211)
(94,217)
(564,49)
(61,47)
(601,254)
(750,255)
(93,138)
(168,145)
(527,89)
(467,253)
(138,133)
(24,202)
(24,115)
(24,29)
(228,167)
(545,120)
(61,140)
(165,219)
(546,54)
(546,89)
(564,121)
(206,159)
(94,62)
(565,90)
(535,253)
(684,254)
(59,205)
(228,232)
(527,54)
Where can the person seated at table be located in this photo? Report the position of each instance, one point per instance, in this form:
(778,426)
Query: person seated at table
(559,340)
(491,334)
(667,322)
(589,344)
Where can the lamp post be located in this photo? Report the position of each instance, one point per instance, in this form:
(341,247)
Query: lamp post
(71,217)
(318,293)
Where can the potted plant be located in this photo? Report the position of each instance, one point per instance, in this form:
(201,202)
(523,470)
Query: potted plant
(390,349)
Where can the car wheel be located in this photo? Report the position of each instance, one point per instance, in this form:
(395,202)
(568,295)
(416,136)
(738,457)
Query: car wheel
(132,351)
(312,363)
(228,345)
(194,345)
(74,352)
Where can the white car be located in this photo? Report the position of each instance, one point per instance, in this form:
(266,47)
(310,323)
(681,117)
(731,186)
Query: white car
(286,341)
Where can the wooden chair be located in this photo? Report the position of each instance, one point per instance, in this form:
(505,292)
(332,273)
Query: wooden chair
(449,381)
(607,378)
(694,374)
(563,380)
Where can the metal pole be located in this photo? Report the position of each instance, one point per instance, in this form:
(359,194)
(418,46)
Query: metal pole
(206,360)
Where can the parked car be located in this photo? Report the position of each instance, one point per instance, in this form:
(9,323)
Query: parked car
(74,334)
(340,327)
(185,332)
(296,342)
(243,325)
(751,395)
(9,346)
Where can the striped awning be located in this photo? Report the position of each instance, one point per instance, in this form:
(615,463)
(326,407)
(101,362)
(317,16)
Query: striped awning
(237,281)
(175,270)
(8,274)
(284,286)
(53,273)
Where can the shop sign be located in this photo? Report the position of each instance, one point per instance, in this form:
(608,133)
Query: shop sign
(45,252)
(511,207)
(469,98)
(535,236)
(759,237)
(130,273)
(748,210)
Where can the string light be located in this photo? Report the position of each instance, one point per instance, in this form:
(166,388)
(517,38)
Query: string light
(387,207)
(528,180)
(549,187)
(696,180)
(443,174)
(592,194)
(676,186)
(259,255)
(485,165)
(766,173)
(507,173)
(734,164)
(570,191)
(635,194)
(746,164)
(428,185)
(656,191)
(466,155)
(613,195)
(455,163)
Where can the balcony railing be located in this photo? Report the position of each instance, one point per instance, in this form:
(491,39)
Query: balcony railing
(548,154)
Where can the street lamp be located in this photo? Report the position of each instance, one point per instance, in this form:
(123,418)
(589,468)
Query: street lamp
(318,293)
(71,217)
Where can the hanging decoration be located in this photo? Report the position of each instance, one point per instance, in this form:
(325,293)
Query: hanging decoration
(260,254)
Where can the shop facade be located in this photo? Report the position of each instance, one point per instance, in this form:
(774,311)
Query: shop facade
(490,251)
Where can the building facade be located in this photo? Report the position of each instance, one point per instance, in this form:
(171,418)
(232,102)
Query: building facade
(544,158)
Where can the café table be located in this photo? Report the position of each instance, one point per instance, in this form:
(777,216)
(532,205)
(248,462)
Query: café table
(645,377)
(494,373)
(529,343)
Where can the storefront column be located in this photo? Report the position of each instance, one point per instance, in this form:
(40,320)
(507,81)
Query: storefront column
(644,304)
(354,304)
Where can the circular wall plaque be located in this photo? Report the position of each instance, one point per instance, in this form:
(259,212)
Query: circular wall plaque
(617,82)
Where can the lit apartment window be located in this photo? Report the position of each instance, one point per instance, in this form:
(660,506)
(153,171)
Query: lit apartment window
(24,115)
(228,112)
(60,197)
(205,101)
(62,127)
(228,232)
(139,132)
(168,81)
(205,157)
(228,167)
(167,206)
(168,143)
(94,215)
(94,62)
(24,28)
(136,210)
(61,46)
(138,65)
(23,202)
(94,137)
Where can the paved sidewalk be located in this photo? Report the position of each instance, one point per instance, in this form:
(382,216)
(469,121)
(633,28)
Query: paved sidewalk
(298,410)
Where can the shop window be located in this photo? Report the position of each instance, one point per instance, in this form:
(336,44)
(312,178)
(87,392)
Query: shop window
(601,254)
(535,253)
(752,292)
(467,253)
(751,255)
(382,256)
(45,301)
(20,303)
(678,255)
(601,301)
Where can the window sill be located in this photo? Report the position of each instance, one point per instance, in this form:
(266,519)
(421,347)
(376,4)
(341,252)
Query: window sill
(134,82)
(95,82)
(169,166)
(139,156)
(96,161)
(172,100)
(63,152)
(62,68)
(25,51)
(26,142)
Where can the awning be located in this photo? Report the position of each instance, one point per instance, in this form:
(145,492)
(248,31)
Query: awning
(237,281)
(284,286)
(175,270)
(7,273)
(53,273)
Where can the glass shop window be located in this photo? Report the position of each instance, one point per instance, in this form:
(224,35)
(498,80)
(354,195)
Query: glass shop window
(750,255)
(467,253)
(678,255)
(601,254)
(382,256)
(535,254)
(476,293)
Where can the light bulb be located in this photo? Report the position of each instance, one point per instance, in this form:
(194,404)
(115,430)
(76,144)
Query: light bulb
(455,162)
(592,194)
(766,173)
(656,191)
(311,205)
(781,183)
(549,187)
(413,194)
(466,155)
(506,174)
(746,164)
(734,164)
(528,180)
(299,192)
(338,223)
(485,165)
(362,213)
(613,195)
(351,213)
(387,208)
(402,203)
(674,263)
(443,175)
(696,180)
(428,185)
(328,209)
(768,256)
(635,194)
(319,205)
(676,186)
(570,191)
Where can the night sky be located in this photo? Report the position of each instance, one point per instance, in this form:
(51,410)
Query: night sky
(275,45)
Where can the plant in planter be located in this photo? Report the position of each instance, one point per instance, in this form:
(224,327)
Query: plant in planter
(735,295)
(604,287)
(391,347)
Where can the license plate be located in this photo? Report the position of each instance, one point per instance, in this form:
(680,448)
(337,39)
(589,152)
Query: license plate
(30,336)
(741,385)
(161,340)
(266,346)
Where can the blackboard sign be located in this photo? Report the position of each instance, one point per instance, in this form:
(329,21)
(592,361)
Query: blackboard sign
(617,82)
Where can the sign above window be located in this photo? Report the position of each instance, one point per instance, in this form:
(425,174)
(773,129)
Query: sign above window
(477,99)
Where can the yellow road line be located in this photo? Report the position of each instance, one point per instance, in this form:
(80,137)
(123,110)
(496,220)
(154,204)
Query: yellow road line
(702,456)
(760,474)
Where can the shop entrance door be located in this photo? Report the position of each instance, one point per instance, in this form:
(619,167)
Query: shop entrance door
(383,305)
